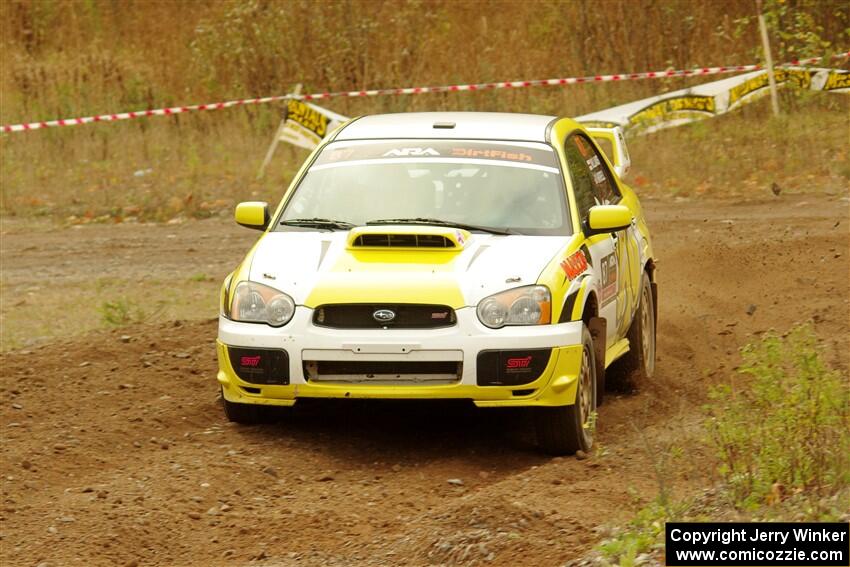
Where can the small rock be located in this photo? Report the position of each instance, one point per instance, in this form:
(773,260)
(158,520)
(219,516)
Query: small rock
(52,530)
(751,309)
(225,507)
(194,515)
(580,455)
(125,338)
(88,489)
(326,478)
(455,482)
(26,464)
(181,355)
(270,471)
(125,386)
(84,364)
(396,468)
(17,406)
(59,447)
(67,519)
(213,511)
(132,563)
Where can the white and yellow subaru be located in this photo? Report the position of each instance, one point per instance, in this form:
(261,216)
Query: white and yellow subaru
(497,258)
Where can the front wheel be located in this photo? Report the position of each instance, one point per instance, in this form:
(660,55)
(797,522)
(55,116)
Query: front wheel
(563,430)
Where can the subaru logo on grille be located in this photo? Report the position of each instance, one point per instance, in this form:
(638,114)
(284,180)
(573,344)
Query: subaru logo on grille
(383,315)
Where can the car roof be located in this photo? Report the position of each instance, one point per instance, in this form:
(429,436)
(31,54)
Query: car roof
(467,125)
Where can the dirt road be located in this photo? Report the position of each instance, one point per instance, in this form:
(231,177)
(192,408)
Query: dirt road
(115,450)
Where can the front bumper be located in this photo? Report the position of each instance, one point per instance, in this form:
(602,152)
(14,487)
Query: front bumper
(556,385)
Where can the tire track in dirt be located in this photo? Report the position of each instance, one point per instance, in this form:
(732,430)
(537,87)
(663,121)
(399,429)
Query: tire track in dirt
(115,452)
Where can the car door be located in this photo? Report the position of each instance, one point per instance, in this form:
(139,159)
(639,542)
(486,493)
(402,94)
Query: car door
(600,247)
(614,255)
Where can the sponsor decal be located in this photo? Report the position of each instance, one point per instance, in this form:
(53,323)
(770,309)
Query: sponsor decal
(490,154)
(414,152)
(575,265)
(661,110)
(593,162)
(459,237)
(837,80)
(608,277)
(307,117)
(252,361)
(517,363)
(451,150)
(800,78)
(583,147)
(440,315)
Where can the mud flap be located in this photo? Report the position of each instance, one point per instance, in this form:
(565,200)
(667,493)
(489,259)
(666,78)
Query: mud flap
(654,289)
(598,328)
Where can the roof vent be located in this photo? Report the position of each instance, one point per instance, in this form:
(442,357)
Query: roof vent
(444,125)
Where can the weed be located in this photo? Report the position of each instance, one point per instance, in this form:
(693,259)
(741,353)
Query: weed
(787,431)
(120,312)
(782,438)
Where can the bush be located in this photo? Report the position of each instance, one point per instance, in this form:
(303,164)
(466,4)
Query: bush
(787,432)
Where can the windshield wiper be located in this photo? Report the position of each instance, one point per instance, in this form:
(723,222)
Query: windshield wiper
(328,224)
(440,222)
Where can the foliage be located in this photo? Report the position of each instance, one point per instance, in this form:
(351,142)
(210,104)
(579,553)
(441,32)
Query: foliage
(121,311)
(141,54)
(643,534)
(787,431)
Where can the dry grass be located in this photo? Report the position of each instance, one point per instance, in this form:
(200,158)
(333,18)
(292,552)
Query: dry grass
(67,57)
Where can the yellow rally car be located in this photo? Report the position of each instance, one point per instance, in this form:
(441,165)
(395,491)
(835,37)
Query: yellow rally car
(491,257)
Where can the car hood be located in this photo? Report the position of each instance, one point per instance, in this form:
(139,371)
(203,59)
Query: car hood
(318,268)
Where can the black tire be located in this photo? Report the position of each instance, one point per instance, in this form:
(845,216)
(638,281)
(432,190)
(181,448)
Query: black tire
(248,414)
(563,430)
(638,364)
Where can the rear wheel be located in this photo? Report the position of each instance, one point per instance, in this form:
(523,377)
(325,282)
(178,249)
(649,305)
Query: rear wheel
(639,363)
(248,414)
(563,430)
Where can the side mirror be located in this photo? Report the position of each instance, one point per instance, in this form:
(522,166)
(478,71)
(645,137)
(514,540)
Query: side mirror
(253,214)
(607,218)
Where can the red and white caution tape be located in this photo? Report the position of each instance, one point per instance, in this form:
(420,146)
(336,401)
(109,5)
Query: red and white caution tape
(697,72)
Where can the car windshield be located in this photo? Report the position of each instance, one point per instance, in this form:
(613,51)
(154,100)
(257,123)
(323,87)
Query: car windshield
(508,187)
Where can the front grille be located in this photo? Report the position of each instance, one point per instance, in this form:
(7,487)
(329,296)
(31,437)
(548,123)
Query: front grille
(404,241)
(382,372)
(363,316)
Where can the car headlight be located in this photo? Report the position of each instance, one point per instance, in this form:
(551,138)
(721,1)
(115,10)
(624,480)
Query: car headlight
(529,305)
(258,303)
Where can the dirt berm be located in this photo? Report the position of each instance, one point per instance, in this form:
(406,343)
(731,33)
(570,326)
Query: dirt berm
(115,450)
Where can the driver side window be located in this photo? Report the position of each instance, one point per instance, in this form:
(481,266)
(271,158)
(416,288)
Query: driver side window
(592,180)
(581,177)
